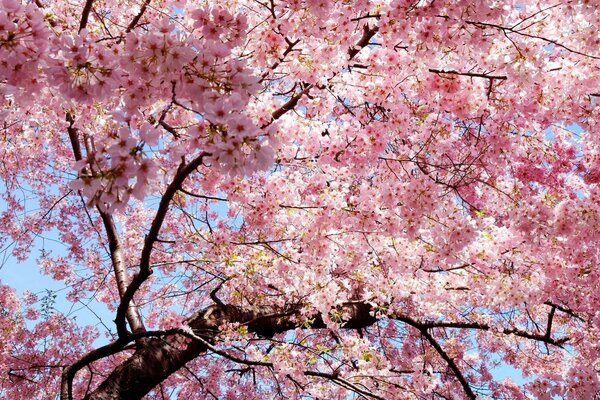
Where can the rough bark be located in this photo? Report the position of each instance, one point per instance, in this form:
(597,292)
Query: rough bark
(158,358)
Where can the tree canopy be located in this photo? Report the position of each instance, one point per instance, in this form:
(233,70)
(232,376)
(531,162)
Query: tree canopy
(310,199)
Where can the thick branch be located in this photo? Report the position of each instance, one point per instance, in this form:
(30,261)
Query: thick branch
(549,323)
(74,137)
(114,242)
(151,238)
(289,105)
(565,309)
(85,14)
(120,270)
(66,388)
(368,34)
(157,359)
(102,352)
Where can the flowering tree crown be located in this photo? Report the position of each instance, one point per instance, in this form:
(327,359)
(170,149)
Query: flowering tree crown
(303,199)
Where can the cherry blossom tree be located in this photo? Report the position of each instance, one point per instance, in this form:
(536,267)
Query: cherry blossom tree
(312,199)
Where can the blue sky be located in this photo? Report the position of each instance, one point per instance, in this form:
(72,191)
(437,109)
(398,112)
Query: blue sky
(27,275)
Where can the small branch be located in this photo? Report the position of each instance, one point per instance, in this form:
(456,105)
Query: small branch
(471,74)
(289,105)
(449,361)
(202,196)
(536,14)
(566,310)
(344,383)
(302,207)
(480,326)
(222,353)
(168,127)
(463,266)
(120,270)
(277,63)
(368,33)
(506,30)
(12,374)
(376,16)
(137,18)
